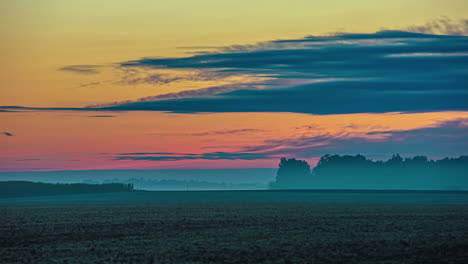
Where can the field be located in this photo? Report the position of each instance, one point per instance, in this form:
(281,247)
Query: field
(236,227)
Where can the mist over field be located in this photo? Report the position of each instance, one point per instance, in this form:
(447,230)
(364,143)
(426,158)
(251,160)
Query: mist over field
(178,180)
(331,172)
(208,179)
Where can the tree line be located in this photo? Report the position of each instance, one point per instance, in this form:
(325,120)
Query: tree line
(26,188)
(297,174)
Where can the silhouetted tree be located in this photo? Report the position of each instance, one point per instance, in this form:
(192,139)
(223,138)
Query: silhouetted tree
(395,160)
(416,169)
(292,174)
(346,166)
(348,170)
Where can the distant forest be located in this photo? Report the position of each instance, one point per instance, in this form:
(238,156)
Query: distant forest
(25,188)
(419,172)
(182,185)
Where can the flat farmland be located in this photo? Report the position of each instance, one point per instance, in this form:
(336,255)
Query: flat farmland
(236,227)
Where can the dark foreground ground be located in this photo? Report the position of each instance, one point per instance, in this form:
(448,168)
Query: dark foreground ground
(236,227)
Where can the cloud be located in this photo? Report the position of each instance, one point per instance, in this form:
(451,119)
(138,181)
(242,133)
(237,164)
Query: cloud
(378,72)
(442,25)
(319,56)
(195,93)
(82,69)
(386,71)
(132,76)
(443,138)
(324,98)
(189,156)
(244,131)
(90,84)
(229,132)
(101,116)
(8,134)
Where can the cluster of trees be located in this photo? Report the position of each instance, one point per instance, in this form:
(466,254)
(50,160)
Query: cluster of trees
(292,174)
(25,188)
(296,174)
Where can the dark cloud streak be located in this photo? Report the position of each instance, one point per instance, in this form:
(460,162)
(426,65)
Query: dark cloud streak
(229,132)
(190,156)
(101,116)
(81,69)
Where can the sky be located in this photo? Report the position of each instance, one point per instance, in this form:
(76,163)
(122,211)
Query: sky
(185,84)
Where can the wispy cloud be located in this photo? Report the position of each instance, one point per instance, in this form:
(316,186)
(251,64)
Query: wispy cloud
(132,76)
(195,93)
(101,116)
(443,138)
(242,132)
(442,25)
(229,132)
(190,156)
(81,69)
